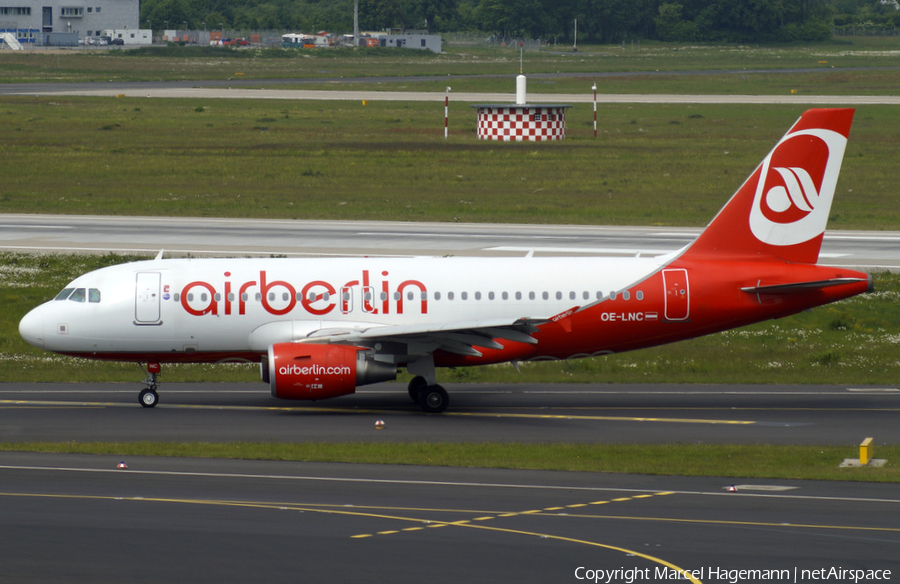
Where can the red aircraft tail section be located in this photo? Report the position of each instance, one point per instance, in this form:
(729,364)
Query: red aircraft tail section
(782,209)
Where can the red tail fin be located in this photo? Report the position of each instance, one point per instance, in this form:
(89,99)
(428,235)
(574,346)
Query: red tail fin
(782,209)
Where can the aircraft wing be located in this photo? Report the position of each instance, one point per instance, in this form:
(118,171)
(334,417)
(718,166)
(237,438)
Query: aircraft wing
(459,338)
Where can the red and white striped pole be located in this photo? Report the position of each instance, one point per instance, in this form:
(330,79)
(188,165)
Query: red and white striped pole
(446,112)
(594,87)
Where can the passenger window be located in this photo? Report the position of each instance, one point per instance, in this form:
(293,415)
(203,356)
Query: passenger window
(93,295)
(64,294)
(78,295)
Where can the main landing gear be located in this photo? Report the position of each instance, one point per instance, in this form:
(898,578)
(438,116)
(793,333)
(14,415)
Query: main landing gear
(433,399)
(148,397)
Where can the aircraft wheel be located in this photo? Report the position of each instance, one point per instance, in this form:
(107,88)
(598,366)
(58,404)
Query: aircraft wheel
(434,399)
(416,385)
(148,398)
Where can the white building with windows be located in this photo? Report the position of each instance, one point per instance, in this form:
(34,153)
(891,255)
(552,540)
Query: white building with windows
(36,22)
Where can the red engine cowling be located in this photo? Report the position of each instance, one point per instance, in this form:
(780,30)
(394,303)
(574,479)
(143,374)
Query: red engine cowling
(306,371)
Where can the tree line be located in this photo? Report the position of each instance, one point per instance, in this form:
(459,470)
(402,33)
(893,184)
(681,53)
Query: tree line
(602,21)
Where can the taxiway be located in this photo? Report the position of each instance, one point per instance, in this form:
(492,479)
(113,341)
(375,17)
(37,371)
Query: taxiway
(82,519)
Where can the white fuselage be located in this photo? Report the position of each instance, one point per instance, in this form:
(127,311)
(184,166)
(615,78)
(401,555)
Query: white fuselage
(199,307)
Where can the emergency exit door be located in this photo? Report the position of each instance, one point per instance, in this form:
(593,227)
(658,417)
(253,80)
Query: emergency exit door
(146,298)
(675,282)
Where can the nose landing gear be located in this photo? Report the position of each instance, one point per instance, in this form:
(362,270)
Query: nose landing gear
(148,397)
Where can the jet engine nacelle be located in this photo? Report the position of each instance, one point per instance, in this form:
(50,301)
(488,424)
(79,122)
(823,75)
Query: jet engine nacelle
(307,371)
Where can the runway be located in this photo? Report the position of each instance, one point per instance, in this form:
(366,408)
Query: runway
(870,250)
(79,518)
(468,97)
(271,89)
(525,413)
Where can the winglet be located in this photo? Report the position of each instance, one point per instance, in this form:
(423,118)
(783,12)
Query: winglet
(781,210)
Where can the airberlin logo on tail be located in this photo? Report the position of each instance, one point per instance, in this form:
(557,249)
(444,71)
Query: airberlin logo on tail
(796,186)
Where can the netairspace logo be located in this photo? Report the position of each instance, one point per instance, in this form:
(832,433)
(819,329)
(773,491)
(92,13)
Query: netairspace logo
(715,574)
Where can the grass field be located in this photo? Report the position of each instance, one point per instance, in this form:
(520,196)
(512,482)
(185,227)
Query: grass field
(651,165)
(746,461)
(205,63)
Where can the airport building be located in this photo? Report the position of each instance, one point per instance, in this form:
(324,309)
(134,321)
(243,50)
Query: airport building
(52,22)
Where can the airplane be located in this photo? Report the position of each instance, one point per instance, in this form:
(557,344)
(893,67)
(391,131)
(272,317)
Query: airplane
(321,327)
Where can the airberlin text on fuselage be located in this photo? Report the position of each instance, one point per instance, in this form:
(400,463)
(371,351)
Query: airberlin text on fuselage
(317,297)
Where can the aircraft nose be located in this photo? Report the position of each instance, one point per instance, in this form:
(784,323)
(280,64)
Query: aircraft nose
(31,327)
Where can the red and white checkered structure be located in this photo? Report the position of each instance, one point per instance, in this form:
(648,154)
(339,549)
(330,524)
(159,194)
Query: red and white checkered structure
(519,123)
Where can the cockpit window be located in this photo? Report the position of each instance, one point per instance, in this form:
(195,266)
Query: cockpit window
(79,295)
(64,294)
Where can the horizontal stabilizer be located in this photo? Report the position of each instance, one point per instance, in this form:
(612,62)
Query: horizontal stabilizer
(802,286)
